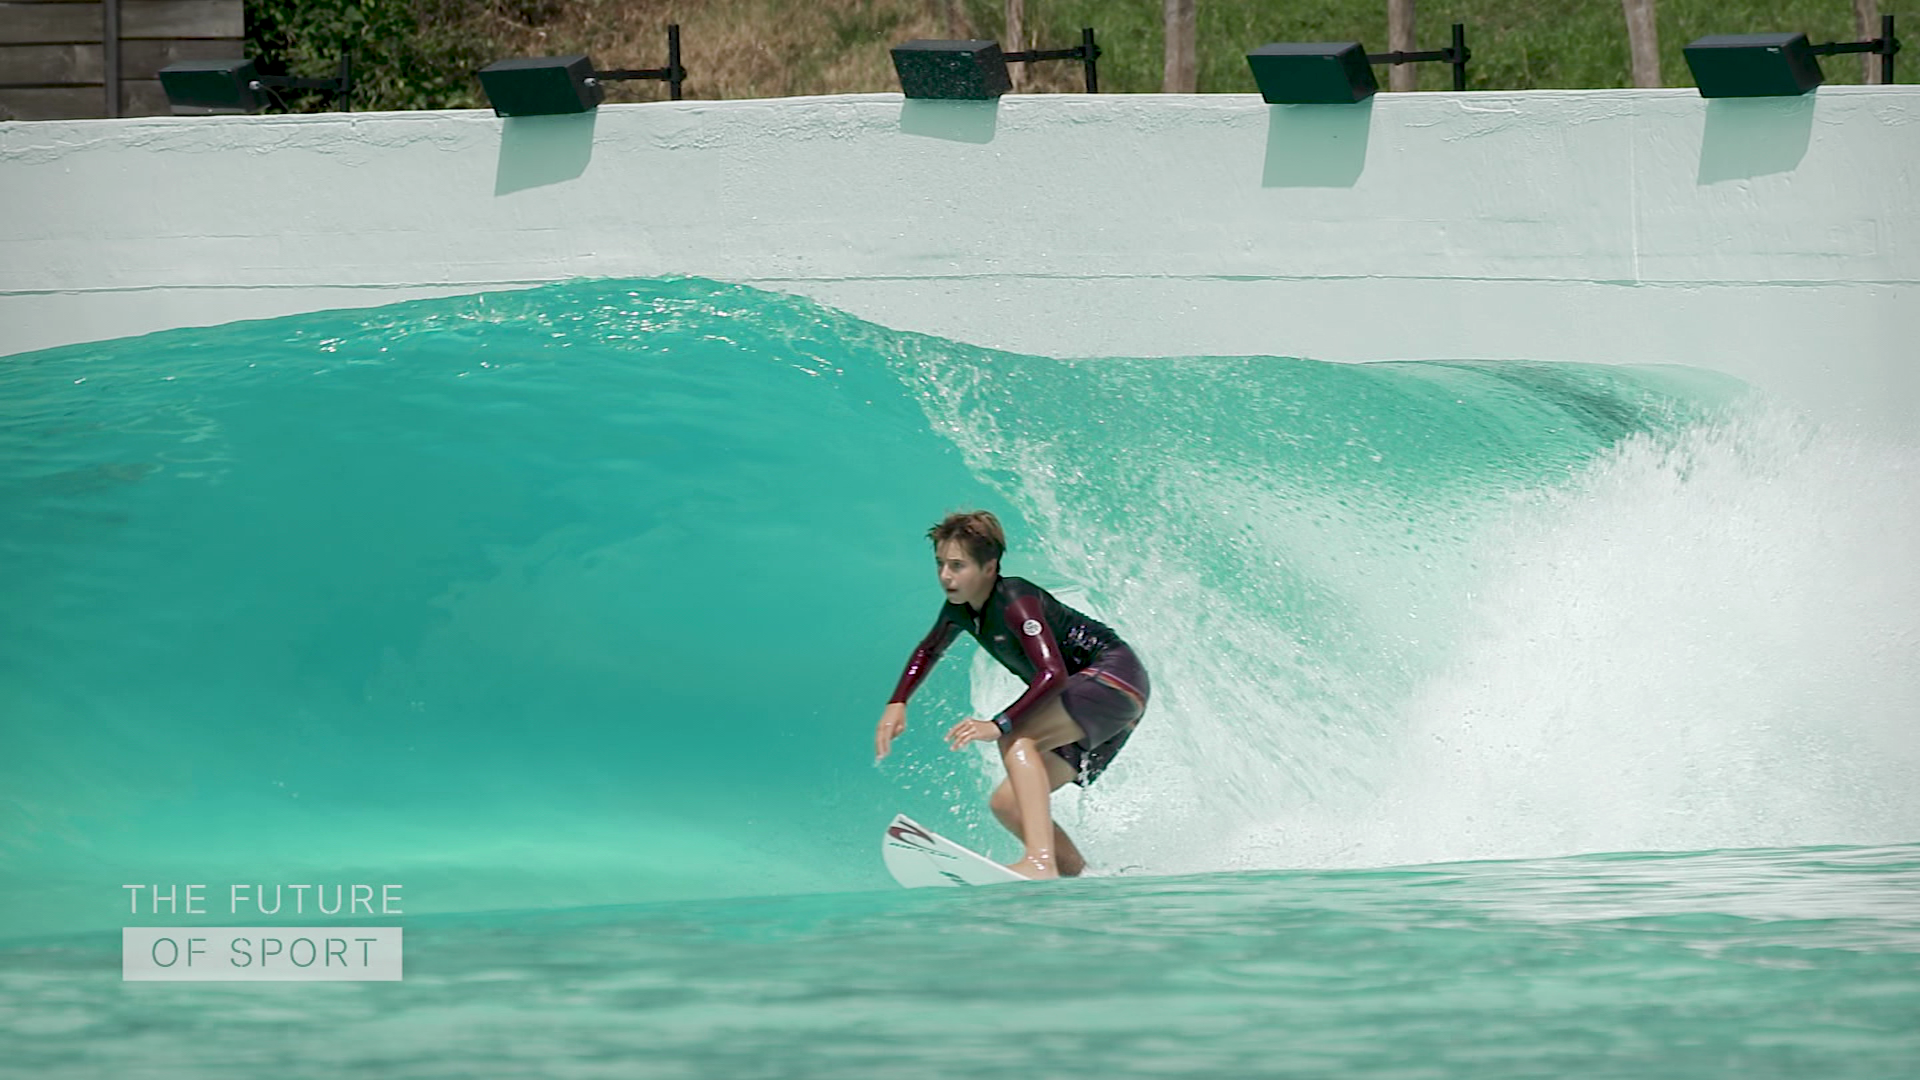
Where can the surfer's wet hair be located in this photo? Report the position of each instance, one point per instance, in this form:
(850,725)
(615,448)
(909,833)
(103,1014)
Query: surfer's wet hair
(976,530)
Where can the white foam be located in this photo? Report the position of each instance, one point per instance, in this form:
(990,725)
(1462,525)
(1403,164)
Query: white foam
(1708,640)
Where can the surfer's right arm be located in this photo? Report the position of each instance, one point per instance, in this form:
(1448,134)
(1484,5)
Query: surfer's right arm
(893,720)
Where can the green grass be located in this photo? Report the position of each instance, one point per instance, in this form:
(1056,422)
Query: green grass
(420,53)
(1516,44)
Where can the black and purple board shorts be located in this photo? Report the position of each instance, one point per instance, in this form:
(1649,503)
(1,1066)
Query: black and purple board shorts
(1106,698)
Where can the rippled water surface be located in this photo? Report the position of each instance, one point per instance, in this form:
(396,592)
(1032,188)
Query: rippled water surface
(1751,963)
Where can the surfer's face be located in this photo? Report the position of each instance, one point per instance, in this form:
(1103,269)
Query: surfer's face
(963,580)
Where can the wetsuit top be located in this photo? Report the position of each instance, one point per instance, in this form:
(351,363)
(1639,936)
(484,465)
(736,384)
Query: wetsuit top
(1021,625)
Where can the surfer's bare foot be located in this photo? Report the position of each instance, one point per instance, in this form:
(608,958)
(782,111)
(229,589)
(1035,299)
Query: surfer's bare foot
(1072,866)
(1037,869)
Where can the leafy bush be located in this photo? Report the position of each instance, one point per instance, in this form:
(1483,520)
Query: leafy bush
(407,54)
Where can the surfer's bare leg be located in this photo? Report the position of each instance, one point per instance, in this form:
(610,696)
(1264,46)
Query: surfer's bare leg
(1006,810)
(1025,751)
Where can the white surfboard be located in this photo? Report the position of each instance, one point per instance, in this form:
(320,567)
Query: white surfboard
(920,858)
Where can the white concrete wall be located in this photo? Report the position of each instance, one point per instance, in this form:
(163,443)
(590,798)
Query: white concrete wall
(1778,240)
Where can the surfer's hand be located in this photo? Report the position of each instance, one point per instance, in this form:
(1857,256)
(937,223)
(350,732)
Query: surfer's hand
(967,731)
(892,722)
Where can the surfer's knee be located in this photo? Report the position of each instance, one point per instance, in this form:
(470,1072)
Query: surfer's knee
(1048,727)
(1019,744)
(1037,738)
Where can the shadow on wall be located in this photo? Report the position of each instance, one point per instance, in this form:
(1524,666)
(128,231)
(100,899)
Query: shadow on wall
(1316,145)
(954,121)
(1749,137)
(539,150)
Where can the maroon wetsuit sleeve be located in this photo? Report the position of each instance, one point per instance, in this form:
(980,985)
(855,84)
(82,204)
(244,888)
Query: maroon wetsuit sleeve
(924,657)
(1027,620)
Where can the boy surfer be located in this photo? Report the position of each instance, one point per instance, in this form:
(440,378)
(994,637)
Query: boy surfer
(1086,690)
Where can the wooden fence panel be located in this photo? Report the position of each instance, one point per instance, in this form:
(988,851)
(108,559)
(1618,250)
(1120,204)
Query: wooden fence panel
(144,59)
(52,52)
(50,23)
(183,19)
(144,97)
(51,102)
(52,65)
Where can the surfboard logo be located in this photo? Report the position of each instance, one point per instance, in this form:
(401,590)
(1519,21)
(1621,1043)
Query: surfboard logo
(917,856)
(908,834)
(1031,628)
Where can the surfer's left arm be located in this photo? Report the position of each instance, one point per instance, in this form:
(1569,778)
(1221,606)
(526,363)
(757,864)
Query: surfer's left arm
(1027,619)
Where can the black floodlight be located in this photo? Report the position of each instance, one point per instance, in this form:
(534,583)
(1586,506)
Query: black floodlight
(1339,72)
(1753,65)
(1314,72)
(541,85)
(557,85)
(213,84)
(965,70)
(235,86)
(977,70)
(1775,65)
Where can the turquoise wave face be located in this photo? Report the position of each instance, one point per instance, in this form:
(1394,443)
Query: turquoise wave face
(592,593)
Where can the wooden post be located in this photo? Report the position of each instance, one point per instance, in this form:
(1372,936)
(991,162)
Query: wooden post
(110,56)
(1181,74)
(1400,39)
(1643,42)
(947,12)
(1016,42)
(1866,27)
